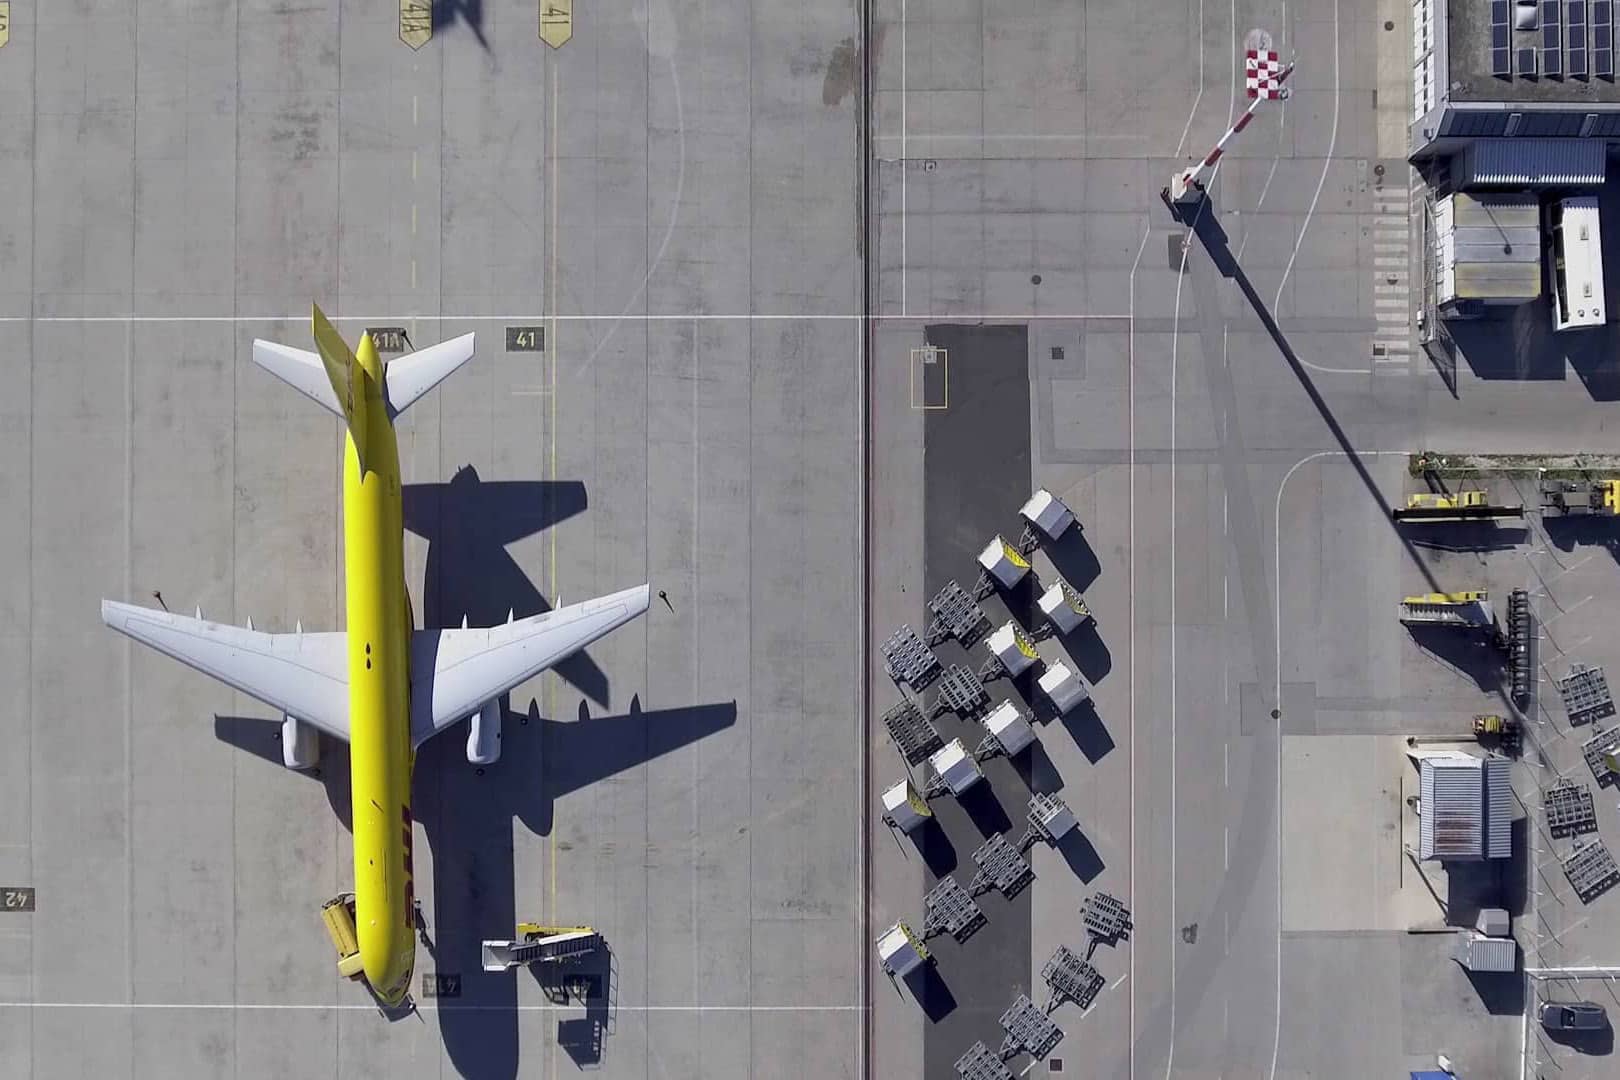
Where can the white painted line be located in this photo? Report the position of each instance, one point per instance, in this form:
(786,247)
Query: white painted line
(1192,112)
(905,159)
(533,317)
(1276,531)
(1130,405)
(1299,240)
(1559,615)
(968,136)
(428,1003)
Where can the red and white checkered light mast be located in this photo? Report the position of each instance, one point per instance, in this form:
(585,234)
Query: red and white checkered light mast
(1263,78)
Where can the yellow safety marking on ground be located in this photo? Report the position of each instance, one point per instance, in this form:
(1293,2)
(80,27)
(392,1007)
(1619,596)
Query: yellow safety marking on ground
(923,361)
(415,22)
(5,21)
(556,22)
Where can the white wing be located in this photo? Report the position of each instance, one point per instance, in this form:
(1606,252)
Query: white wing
(414,374)
(300,370)
(303,675)
(456,671)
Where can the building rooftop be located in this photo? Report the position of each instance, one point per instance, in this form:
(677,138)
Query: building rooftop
(1465,808)
(1489,247)
(1473,57)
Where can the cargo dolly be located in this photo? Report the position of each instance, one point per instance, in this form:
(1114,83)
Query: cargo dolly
(1569,809)
(1586,695)
(1591,871)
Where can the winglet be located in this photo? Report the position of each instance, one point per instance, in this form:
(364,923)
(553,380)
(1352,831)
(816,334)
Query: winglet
(348,378)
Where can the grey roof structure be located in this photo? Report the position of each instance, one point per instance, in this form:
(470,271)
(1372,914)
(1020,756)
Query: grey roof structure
(1476,952)
(1488,248)
(1530,163)
(1465,808)
(1476,75)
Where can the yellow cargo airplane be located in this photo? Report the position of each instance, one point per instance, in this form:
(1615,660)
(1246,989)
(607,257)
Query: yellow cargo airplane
(383,686)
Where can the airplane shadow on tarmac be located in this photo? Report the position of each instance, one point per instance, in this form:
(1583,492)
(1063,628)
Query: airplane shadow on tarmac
(468,822)
(467,523)
(467,813)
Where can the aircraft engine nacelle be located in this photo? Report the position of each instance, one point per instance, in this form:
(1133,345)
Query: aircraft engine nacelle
(484,734)
(300,744)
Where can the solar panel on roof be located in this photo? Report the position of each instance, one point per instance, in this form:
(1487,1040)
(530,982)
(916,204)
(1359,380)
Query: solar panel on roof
(1552,37)
(1603,39)
(1577,38)
(1501,40)
(1526,62)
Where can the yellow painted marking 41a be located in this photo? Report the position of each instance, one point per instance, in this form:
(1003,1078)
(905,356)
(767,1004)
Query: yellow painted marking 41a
(415,22)
(556,22)
(5,21)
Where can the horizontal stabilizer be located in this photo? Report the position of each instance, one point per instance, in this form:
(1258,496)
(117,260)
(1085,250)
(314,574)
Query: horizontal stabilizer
(299,369)
(410,376)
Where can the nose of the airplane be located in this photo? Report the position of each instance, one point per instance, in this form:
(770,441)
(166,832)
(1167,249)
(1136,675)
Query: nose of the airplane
(387,957)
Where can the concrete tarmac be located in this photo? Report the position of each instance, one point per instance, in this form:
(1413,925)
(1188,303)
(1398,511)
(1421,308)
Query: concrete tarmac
(668,199)
(1228,410)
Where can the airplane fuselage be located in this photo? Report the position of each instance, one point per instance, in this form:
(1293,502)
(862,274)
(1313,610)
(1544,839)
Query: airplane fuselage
(379,637)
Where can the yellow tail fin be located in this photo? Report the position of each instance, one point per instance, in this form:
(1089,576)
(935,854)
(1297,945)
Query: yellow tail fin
(347,376)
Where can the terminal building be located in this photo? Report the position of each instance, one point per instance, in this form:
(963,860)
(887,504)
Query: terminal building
(1539,73)
(1514,106)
